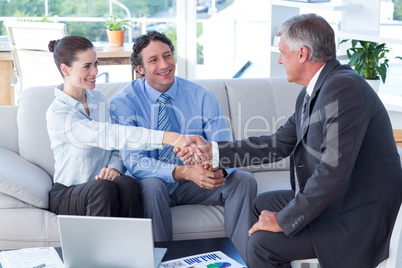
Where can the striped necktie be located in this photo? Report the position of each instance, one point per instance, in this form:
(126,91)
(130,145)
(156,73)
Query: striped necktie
(303,118)
(303,112)
(166,154)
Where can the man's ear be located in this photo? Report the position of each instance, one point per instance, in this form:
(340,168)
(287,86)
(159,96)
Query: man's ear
(64,69)
(140,70)
(303,54)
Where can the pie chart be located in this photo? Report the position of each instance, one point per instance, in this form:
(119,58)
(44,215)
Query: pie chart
(219,265)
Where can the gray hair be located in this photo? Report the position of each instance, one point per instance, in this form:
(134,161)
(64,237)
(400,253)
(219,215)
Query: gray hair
(311,31)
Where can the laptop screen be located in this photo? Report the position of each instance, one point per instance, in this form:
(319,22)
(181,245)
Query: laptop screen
(89,241)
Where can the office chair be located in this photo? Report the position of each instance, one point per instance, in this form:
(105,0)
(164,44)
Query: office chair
(33,63)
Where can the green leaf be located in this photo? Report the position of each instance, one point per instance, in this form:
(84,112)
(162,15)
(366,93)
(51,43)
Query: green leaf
(114,23)
(369,59)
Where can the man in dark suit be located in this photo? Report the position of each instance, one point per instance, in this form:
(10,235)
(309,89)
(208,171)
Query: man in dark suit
(345,170)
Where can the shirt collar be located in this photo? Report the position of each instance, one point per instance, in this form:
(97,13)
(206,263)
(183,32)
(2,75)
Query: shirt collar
(67,99)
(313,81)
(154,94)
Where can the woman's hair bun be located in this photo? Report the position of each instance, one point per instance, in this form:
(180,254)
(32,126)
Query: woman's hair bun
(52,44)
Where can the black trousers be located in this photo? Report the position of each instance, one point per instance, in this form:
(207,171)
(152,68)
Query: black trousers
(268,249)
(118,198)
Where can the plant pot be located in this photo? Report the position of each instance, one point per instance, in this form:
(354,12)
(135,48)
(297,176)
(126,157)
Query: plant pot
(374,83)
(116,38)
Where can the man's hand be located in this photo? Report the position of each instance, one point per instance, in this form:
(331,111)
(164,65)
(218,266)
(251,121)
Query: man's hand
(108,174)
(202,152)
(183,143)
(204,176)
(266,222)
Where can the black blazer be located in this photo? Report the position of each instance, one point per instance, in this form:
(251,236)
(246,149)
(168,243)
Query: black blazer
(347,165)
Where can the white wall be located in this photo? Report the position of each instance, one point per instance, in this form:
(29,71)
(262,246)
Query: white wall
(234,36)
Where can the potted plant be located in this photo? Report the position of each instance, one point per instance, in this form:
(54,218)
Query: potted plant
(115,29)
(21,16)
(369,59)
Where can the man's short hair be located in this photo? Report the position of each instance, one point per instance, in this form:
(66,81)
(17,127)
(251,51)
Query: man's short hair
(311,31)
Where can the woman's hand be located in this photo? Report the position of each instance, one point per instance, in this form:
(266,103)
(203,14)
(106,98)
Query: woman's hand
(108,174)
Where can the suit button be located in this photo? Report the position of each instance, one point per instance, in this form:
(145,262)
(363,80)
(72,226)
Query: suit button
(299,220)
(296,222)
(293,225)
(302,217)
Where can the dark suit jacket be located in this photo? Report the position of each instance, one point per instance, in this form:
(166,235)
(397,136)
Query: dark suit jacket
(347,167)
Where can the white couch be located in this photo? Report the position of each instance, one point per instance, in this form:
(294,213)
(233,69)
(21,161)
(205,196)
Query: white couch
(252,107)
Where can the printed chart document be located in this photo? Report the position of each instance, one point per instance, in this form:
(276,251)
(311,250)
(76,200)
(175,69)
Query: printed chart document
(31,257)
(216,259)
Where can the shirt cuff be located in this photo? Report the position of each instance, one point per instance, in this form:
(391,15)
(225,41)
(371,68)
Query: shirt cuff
(116,163)
(215,154)
(158,138)
(166,172)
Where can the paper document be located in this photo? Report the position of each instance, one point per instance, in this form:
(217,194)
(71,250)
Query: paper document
(31,258)
(216,259)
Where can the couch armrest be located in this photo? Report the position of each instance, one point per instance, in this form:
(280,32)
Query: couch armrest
(9,130)
(23,180)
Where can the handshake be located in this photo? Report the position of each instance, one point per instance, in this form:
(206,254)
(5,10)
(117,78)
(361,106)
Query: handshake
(192,149)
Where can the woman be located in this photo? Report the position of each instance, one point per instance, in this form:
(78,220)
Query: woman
(88,176)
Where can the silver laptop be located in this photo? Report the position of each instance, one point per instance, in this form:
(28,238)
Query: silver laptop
(108,242)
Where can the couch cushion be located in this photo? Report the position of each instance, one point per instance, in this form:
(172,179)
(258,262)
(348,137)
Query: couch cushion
(259,106)
(111,89)
(23,180)
(218,87)
(8,201)
(204,222)
(272,181)
(28,227)
(252,107)
(257,109)
(33,139)
(8,123)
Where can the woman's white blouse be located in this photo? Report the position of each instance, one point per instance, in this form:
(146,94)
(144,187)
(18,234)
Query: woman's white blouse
(83,144)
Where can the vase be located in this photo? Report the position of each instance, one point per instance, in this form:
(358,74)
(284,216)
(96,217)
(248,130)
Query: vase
(374,83)
(116,38)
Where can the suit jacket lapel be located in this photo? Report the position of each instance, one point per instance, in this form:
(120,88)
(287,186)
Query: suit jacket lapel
(329,66)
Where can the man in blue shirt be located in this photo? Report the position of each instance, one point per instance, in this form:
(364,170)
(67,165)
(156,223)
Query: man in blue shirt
(191,109)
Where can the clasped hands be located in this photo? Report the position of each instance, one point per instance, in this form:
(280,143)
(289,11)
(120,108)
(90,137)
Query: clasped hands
(193,149)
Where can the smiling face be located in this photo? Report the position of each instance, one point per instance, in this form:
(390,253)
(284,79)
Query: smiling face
(83,71)
(158,65)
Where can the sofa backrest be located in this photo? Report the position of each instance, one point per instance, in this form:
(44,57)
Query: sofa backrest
(9,128)
(33,139)
(251,106)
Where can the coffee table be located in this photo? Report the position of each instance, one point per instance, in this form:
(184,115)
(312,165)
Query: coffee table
(183,248)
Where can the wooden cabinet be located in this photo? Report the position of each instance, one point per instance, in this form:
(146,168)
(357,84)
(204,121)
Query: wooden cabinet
(6,78)
(398,137)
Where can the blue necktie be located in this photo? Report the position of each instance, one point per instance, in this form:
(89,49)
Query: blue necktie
(166,154)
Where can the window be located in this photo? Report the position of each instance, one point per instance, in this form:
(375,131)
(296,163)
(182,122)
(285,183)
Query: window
(229,35)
